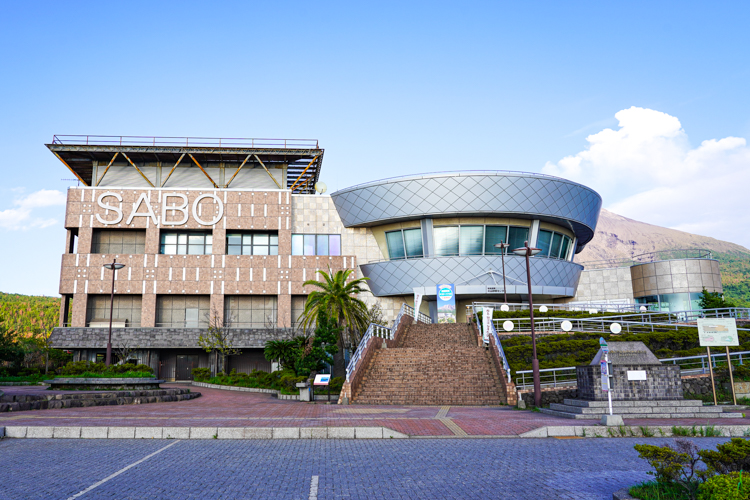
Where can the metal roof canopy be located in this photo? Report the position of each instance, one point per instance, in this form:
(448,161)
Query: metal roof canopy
(303,157)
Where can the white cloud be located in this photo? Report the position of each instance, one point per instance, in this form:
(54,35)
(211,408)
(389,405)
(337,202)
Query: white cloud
(647,170)
(23,216)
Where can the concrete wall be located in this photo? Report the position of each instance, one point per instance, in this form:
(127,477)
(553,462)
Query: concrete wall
(676,276)
(599,285)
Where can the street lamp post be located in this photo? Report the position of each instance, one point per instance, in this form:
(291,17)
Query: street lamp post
(114,266)
(528,252)
(502,247)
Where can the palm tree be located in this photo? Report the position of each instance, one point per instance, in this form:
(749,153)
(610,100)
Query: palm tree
(338,300)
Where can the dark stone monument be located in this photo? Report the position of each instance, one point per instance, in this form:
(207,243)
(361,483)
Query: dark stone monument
(637,375)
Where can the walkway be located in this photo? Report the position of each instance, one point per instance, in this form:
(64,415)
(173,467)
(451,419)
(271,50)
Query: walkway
(219,408)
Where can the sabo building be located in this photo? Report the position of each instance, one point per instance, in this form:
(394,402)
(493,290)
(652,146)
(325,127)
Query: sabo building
(234,227)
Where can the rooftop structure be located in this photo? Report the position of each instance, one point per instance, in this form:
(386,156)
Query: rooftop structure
(180,162)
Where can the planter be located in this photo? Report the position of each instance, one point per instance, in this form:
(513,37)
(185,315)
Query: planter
(103,384)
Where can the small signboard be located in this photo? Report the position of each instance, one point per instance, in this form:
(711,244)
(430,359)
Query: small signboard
(717,332)
(323,379)
(486,324)
(603,364)
(636,374)
(446,303)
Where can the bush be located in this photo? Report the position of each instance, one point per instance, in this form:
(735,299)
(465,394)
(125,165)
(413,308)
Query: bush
(732,456)
(674,465)
(81,367)
(733,486)
(201,374)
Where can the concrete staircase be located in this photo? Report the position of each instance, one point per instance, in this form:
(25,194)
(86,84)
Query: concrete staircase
(439,364)
(681,408)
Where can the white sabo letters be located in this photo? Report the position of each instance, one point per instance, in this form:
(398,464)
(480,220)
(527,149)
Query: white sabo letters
(166,208)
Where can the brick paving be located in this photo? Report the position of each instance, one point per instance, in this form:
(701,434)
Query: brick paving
(517,469)
(220,408)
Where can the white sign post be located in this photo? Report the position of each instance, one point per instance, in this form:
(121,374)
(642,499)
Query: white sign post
(322,379)
(718,332)
(486,324)
(417,304)
(605,371)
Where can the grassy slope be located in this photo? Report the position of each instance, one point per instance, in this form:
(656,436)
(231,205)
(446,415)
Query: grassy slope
(26,314)
(735,276)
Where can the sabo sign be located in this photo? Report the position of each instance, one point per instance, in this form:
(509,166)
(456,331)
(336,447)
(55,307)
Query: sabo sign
(165,207)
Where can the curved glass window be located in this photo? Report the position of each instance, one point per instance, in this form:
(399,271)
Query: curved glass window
(446,241)
(517,236)
(470,242)
(406,243)
(553,244)
(492,236)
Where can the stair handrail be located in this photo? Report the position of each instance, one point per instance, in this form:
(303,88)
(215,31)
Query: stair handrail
(496,339)
(376,330)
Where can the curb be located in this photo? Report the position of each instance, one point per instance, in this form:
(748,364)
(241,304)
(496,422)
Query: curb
(623,494)
(19,432)
(598,431)
(246,389)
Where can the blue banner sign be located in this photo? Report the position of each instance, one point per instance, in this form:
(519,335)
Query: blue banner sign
(446,303)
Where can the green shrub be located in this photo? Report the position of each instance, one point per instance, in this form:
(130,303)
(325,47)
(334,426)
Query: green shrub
(201,374)
(674,465)
(732,486)
(78,368)
(731,456)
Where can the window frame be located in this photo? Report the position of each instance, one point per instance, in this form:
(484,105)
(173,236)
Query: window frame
(207,235)
(484,252)
(564,238)
(403,243)
(251,235)
(314,237)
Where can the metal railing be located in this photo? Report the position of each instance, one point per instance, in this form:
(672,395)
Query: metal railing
(646,258)
(227,142)
(689,365)
(380,331)
(598,306)
(498,344)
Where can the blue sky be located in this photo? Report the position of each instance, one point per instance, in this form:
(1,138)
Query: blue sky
(388,89)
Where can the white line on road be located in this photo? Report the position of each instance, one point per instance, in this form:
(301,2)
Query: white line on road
(313,488)
(95,485)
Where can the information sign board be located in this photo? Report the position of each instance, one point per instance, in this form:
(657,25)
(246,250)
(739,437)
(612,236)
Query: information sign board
(486,322)
(446,303)
(322,379)
(717,332)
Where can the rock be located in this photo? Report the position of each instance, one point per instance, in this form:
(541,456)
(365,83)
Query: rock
(612,420)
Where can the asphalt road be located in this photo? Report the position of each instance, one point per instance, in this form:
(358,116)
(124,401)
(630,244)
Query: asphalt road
(537,469)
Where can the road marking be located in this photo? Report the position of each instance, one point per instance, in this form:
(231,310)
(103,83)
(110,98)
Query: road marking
(443,412)
(97,484)
(453,427)
(313,488)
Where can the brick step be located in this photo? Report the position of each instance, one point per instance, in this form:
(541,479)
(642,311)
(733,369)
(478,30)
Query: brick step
(627,410)
(579,416)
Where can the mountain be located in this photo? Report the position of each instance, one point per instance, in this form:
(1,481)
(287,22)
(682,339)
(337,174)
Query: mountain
(618,238)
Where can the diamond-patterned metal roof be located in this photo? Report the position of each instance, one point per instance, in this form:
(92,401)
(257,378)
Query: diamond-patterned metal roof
(472,193)
(400,277)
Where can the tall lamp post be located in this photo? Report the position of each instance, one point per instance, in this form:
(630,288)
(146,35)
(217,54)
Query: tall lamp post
(114,266)
(528,252)
(502,247)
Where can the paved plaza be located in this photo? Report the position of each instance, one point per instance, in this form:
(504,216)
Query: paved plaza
(221,408)
(518,469)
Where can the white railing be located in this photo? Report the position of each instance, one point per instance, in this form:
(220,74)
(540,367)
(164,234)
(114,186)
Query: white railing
(592,325)
(496,340)
(599,306)
(380,331)
(689,365)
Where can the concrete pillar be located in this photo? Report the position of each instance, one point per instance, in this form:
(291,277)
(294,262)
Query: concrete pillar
(148,310)
(79,309)
(284,311)
(217,308)
(152,240)
(84,240)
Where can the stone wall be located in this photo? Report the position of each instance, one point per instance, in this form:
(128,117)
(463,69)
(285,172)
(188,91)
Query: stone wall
(159,338)
(692,384)
(550,395)
(602,285)
(662,382)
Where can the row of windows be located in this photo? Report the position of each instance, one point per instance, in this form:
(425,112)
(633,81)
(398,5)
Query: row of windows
(186,243)
(253,244)
(316,244)
(473,240)
(185,311)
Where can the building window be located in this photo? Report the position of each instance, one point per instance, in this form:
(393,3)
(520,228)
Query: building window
(477,239)
(182,311)
(118,241)
(251,311)
(316,244)
(185,243)
(553,244)
(126,311)
(253,243)
(404,243)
